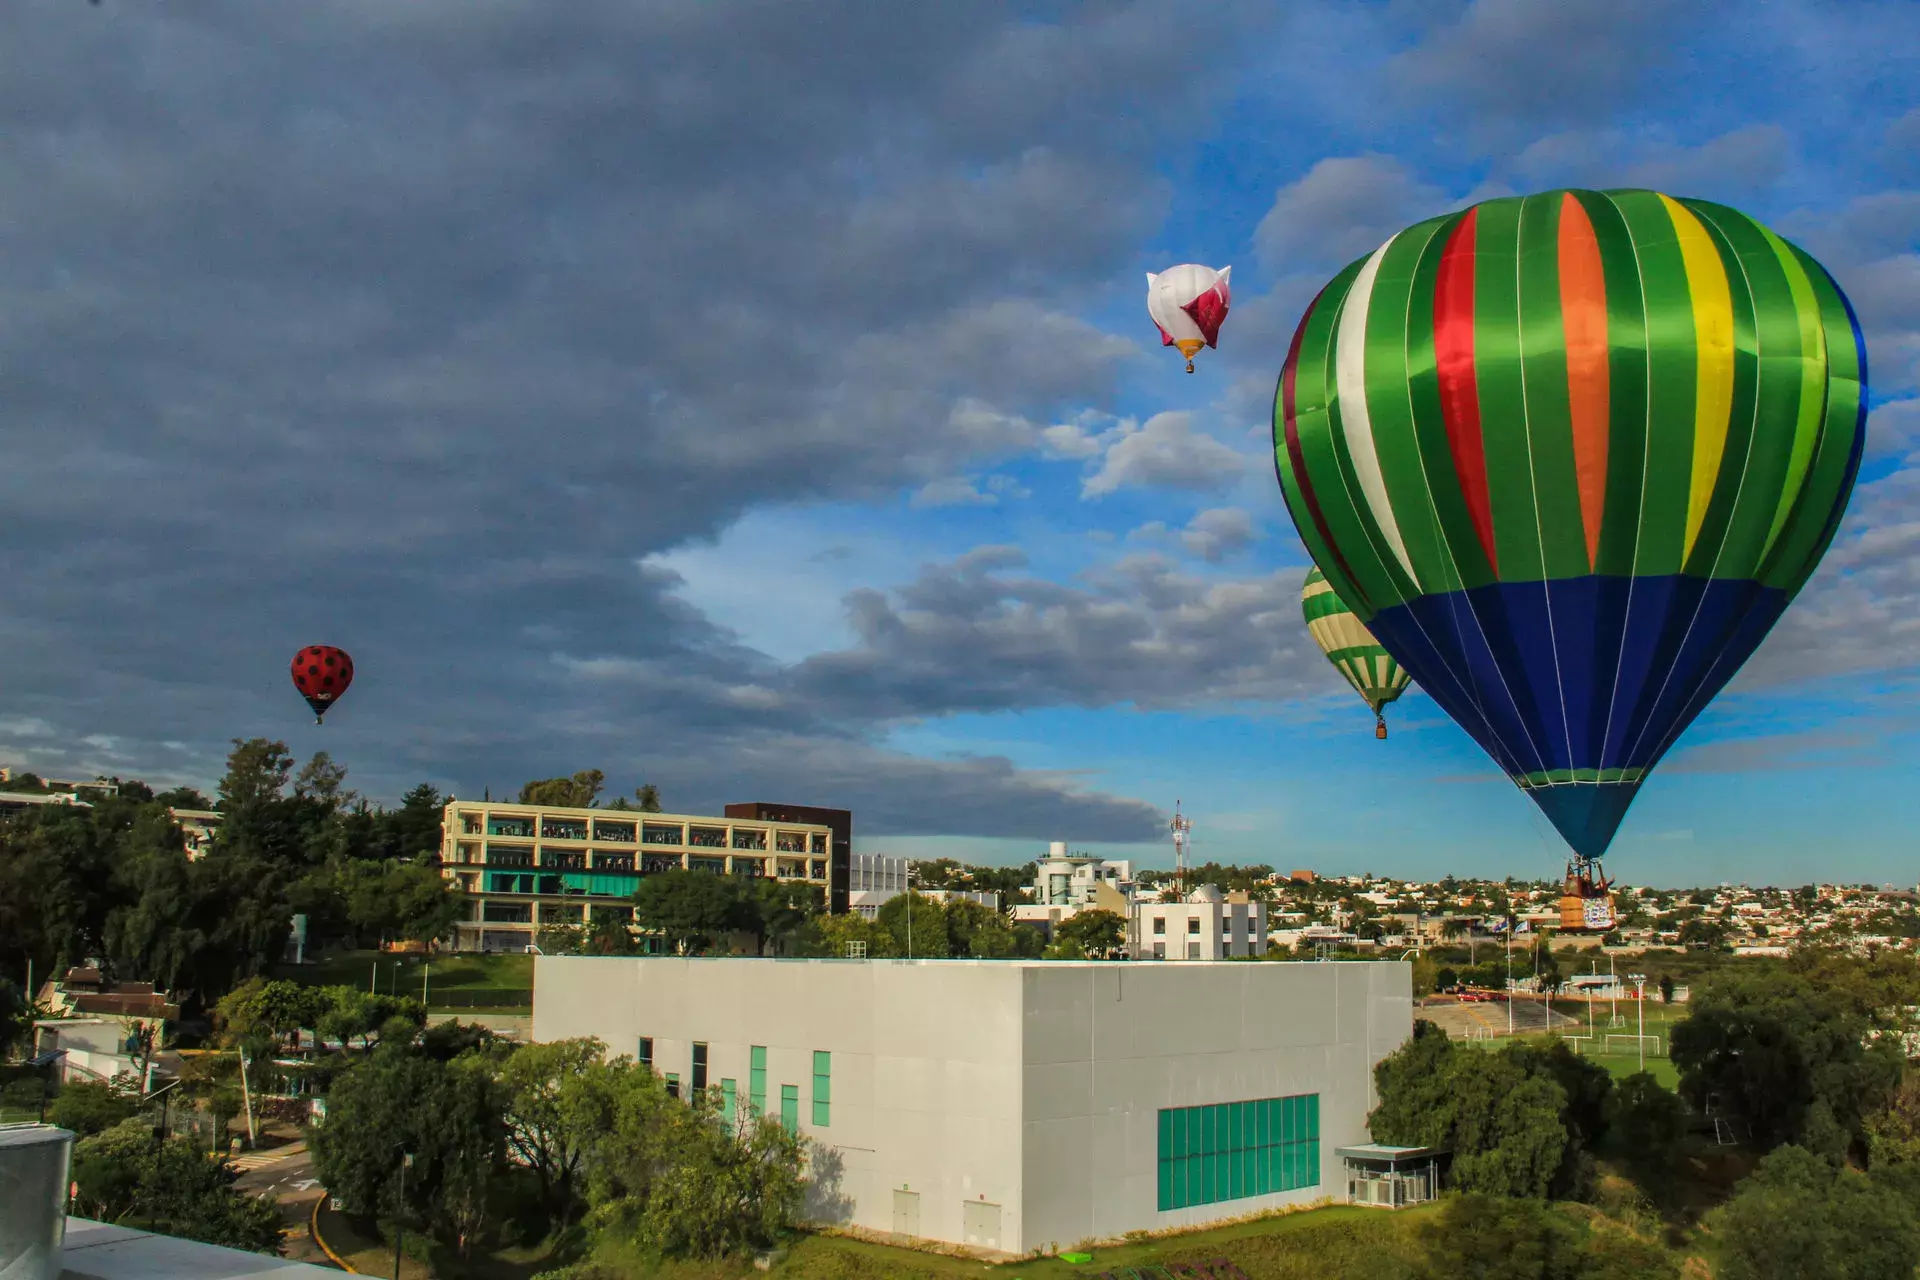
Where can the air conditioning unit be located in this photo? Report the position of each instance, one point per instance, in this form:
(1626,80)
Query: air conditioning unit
(34,1164)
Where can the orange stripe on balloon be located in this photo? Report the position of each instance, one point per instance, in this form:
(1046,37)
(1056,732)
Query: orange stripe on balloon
(1583,315)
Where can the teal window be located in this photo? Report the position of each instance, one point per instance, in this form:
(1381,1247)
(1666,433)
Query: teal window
(790,1107)
(757,1081)
(728,1098)
(822,1087)
(673,1084)
(646,1052)
(1237,1150)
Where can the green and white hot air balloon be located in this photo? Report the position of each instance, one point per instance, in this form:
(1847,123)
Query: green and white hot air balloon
(1351,648)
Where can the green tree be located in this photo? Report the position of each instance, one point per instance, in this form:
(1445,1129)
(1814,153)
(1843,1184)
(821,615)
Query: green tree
(780,910)
(829,936)
(128,1175)
(1646,1123)
(557,1101)
(1088,934)
(1666,988)
(446,1115)
(576,792)
(1791,1058)
(1800,1217)
(693,910)
(928,936)
(1487,1237)
(323,780)
(257,772)
(646,799)
(91,1106)
(1504,1114)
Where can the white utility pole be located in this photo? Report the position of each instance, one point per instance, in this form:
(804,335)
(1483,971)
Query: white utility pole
(1639,981)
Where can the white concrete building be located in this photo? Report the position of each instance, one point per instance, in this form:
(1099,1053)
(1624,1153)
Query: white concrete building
(1207,926)
(1008,1105)
(1065,879)
(874,879)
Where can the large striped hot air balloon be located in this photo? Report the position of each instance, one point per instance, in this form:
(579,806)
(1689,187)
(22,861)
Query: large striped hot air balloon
(1569,456)
(1351,648)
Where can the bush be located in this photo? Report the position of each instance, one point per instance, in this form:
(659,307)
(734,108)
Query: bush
(88,1107)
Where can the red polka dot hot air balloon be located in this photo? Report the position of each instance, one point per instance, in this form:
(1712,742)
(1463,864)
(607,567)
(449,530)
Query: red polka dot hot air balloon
(321,673)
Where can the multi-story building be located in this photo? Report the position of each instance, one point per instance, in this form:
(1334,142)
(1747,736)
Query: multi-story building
(1005,1105)
(1065,879)
(840,849)
(874,879)
(1207,926)
(524,866)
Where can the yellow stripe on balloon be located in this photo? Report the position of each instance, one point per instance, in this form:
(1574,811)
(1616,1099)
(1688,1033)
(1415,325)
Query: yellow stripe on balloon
(1813,384)
(1713,341)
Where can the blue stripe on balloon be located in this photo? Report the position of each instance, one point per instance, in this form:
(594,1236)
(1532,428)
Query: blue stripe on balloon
(1580,673)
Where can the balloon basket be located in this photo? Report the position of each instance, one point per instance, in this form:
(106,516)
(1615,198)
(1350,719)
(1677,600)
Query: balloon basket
(1189,366)
(1380,730)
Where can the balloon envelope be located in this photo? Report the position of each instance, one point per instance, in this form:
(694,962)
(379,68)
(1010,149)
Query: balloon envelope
(1569,456)
(322,673)
(1188,304)
(1349,646)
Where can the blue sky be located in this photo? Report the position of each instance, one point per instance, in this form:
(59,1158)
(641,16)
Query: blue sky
(769,408)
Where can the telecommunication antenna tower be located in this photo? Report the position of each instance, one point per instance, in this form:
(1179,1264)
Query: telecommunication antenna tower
(1182,827)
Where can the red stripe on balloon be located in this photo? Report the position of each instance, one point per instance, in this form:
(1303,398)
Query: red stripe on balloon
(1583,316)
(1295,455)
(1459,392)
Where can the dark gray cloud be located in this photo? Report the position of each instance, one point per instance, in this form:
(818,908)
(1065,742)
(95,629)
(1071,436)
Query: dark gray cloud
(415,328)
(979,634)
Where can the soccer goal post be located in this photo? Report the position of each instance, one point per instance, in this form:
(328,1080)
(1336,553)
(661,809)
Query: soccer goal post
(1631,1044)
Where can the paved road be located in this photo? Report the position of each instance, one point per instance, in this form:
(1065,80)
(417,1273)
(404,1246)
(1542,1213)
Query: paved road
(285,1175)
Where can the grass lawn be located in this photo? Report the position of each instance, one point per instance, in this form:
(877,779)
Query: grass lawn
(466,980)
(1307,1245)
(1625,1058)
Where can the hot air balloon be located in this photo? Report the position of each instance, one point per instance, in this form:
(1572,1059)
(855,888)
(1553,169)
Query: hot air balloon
(321,673)
(1188,303)
(1569,456)
(1351,648)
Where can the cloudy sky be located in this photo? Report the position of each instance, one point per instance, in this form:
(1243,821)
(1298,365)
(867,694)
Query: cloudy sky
(757,399)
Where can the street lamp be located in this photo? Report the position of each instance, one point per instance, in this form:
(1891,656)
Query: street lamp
(1639,981)
(909,911)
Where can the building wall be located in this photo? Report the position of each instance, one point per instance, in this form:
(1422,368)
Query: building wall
(1108,1046)
(1031,1087)
(1199,930)
(926,1073)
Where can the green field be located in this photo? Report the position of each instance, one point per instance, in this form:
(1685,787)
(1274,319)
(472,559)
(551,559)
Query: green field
(1625,1060)
(465,980)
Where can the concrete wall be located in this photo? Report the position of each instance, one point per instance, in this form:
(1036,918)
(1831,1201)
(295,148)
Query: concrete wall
(1108,1046)
(1011,1104)
(926,1062)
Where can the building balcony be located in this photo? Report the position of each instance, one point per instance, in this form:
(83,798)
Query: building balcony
(507,913)
(509,856)
(656,863)
(554,860)
(521,827)
(614,832)
(562,829)
(791,868)
(663,833)
(707,837)
(790,842)
(712,866)
(603,861)
(751,868)
(749,838)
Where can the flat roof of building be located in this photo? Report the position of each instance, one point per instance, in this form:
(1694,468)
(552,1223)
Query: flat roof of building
(102,1251)
(1381,1151)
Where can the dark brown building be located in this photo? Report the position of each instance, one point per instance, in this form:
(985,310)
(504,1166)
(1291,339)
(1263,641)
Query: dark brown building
(840,821)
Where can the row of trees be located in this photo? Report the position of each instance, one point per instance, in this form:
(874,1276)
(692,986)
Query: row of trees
(114,882)
(481,1144)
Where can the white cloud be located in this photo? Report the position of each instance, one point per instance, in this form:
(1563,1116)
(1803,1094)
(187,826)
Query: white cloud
(1213,535)
(1164,452)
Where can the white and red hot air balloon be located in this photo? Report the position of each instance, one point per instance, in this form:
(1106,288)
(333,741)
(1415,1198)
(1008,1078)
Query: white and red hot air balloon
(1188,303)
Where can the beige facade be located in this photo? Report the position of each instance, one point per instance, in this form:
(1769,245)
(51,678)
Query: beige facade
(522,867)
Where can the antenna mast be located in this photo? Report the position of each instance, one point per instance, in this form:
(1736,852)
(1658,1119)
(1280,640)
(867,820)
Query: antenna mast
(1182,828)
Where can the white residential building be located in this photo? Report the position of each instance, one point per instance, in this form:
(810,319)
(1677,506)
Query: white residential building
(1010,1105)
(1207,926)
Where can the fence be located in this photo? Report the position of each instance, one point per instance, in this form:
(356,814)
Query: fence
(481,998)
